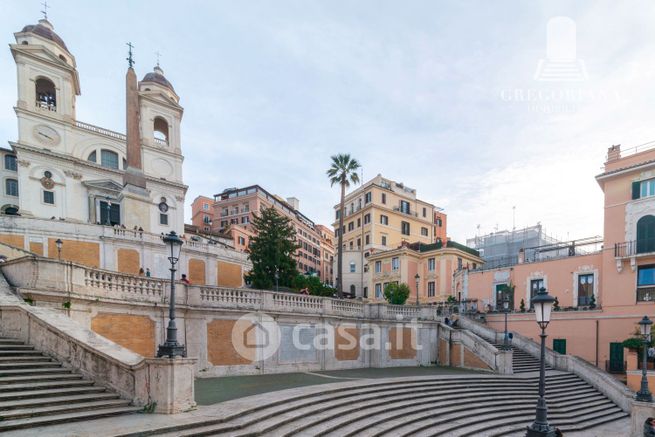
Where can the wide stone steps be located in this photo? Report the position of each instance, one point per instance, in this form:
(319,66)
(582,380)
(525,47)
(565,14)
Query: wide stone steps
(37,391)
(421,406)
(522,362)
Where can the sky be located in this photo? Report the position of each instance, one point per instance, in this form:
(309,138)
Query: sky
(445,96)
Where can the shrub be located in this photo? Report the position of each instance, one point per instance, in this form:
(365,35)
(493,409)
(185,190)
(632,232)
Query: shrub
(522,305)
(556,304)
(396,294)
(592,302)
(313,283)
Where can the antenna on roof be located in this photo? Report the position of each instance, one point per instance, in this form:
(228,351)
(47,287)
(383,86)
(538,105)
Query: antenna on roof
(158,56)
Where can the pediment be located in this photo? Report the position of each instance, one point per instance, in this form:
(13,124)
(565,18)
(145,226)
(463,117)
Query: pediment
(103,185)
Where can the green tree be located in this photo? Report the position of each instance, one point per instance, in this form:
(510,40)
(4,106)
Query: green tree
(343,171)
(313,284)
(271,250)
(396,294)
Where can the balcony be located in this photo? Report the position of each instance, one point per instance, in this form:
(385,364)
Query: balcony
(641,247)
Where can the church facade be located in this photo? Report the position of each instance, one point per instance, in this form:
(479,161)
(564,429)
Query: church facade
(108,192)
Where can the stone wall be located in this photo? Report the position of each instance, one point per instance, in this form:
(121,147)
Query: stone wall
(314,333)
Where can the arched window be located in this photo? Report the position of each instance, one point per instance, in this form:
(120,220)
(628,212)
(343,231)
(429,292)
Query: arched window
(92,157)
(646,234)
(46,95)
(353,289)
(161,129)
(108,159)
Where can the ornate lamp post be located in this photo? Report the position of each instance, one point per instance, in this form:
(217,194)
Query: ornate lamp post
(506,310)
(418,278)
(644,395)
(59,244)
(277,279)
(171,348)
(543,304)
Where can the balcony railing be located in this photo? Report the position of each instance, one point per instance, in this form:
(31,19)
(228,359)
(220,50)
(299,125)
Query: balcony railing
(634,248)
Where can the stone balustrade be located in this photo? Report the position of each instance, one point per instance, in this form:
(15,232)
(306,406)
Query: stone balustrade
(74,281)
(166,384)
(602,381)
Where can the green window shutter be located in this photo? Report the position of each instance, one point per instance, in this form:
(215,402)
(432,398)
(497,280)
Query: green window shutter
(636,188)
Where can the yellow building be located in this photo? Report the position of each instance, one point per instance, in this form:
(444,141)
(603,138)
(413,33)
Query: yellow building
(380,215)
(435,265)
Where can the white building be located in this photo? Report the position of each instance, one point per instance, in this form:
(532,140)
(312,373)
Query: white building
(79,172)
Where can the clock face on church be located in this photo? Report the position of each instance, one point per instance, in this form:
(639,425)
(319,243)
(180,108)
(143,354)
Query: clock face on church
(46,135)
(163,207)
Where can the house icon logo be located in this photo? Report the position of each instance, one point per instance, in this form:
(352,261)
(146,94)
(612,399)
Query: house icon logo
(561,63)
(255,336)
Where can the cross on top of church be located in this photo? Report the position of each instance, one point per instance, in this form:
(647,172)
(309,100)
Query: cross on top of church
(45,9)
(158,56)
(130,58)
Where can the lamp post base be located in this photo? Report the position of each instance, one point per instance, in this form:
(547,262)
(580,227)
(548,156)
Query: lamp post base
(538,430)
(171,350)
(644,397)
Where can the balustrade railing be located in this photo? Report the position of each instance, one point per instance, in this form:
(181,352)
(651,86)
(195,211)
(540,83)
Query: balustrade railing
(99,130)
(231,297)
(108,281)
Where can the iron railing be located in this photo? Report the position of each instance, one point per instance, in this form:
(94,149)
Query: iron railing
(635,247)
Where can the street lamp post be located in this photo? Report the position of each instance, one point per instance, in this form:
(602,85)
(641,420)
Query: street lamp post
(506,310)
(543,304)
(59,244)
(171,348)
(418,278)
(644,395)
(277,279)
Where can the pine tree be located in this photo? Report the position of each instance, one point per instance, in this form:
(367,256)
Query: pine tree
(272,250)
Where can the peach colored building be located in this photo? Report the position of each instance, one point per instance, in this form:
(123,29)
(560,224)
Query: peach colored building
(435,264)
(202,213)
(232,212)
(601,293)
(327,249)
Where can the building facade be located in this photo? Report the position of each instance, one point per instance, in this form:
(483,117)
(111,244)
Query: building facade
(233,211)
(201,213)
(602,288)
(80,172)
(327,249)
(381,215)
(106,197)
(435,264)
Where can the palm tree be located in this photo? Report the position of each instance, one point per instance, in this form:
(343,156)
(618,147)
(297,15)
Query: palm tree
(343,171)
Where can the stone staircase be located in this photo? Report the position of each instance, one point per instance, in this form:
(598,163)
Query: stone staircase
(466,405)
(522,362)
(36,390)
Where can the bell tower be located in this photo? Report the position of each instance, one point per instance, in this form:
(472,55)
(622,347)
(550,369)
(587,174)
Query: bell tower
(48,82)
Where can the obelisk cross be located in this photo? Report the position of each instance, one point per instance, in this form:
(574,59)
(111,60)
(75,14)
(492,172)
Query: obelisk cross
(158,56)
(130,59)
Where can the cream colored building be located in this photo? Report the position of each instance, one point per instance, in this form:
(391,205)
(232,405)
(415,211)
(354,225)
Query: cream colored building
(79,172)
(435,264)
(380,215)
(106,197)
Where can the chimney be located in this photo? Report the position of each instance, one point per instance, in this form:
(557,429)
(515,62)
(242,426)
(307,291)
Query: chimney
(294,202)
(134,173)
(614,153)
